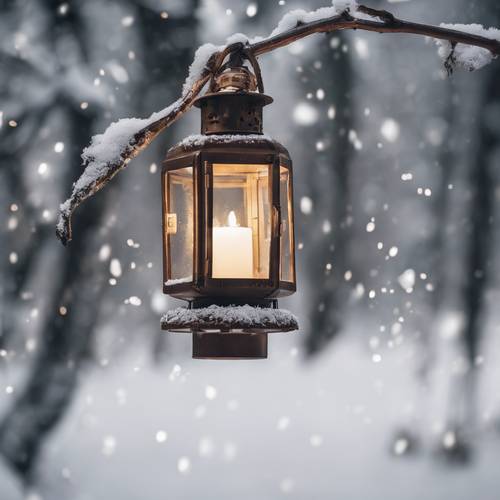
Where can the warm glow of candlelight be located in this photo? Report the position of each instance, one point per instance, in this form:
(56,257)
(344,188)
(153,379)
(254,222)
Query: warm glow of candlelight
(231,219)
(232,250)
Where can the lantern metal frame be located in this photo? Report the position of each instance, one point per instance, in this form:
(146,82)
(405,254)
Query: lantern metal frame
(204,289)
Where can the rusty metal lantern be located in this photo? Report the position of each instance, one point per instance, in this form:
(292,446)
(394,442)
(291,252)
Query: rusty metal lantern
(228,220)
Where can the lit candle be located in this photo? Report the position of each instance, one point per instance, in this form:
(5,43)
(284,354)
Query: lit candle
(232,250)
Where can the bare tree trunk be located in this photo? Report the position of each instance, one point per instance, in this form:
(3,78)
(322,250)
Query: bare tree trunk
(164,44)
(327,260)
(65,339)
(66,334)
(29,235)
(463,392)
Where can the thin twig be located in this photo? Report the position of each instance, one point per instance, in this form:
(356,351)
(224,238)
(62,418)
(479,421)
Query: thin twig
(384,22)
(450,61)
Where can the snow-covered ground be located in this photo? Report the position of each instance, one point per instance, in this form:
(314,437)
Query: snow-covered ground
(255,430)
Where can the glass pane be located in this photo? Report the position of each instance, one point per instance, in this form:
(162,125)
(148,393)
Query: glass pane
(286,240)
(179,225)
(241,235)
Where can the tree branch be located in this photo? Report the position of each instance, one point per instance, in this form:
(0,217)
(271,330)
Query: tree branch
(382,22)
(387,24)
(137,143)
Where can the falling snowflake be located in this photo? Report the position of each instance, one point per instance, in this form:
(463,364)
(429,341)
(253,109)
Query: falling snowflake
(305,114)
(390,130)
(161,436)
(306,205)
(210,392)
(252,9)
(184,465)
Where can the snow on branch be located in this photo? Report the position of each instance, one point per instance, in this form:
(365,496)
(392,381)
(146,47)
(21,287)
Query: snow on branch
(470,46)
(109,152)
(467,56)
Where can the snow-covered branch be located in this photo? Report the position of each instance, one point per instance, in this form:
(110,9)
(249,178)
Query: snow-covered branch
(468,57)
(469,46)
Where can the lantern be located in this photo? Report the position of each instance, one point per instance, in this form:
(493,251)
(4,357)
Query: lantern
(228,230)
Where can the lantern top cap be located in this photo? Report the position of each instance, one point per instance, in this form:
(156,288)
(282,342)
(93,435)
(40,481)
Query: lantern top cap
(255,98)
(235,81)
(233,104)
(235,98)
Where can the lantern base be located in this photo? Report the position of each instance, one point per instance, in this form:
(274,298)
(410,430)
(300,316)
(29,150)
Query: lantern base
(225,302)
(229,332)
(229,346)
(227,320)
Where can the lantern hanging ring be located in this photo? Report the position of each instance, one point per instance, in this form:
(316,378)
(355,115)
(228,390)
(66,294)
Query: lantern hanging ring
(237,54)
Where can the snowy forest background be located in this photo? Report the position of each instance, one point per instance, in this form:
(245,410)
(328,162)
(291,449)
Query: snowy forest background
(390,390)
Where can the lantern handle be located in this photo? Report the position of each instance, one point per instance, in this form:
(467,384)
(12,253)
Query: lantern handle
(255,66)
(217,66)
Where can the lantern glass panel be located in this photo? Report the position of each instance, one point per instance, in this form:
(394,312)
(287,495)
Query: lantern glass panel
(287,239)
(241,221)
(179,225)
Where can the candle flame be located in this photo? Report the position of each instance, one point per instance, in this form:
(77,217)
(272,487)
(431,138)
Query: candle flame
(231,219)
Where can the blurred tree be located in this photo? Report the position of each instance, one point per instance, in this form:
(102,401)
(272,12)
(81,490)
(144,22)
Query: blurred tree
(72,306)
(169,52)
(477,265)
(78,283)
(328,74)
